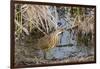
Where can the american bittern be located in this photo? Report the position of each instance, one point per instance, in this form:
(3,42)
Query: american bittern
(48,41)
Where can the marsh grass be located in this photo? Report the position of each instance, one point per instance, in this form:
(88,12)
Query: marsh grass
(33,22)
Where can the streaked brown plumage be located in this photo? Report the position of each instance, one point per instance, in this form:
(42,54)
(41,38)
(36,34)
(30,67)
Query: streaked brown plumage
(48,41)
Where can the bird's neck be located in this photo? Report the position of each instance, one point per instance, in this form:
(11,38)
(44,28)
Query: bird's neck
(57,32)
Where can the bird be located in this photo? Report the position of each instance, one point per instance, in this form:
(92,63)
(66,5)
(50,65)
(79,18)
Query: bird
(48,41)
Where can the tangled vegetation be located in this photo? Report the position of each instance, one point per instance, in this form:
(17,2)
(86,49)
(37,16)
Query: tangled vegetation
(35,22)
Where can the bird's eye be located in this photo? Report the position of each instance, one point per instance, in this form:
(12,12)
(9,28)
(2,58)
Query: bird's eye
(59,24)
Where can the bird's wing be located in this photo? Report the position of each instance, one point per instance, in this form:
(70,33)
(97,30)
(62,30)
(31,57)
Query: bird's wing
(43,43)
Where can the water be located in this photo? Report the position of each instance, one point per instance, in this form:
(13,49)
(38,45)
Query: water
(69,51)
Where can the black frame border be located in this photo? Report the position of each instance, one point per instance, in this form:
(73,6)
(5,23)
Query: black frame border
(12,30)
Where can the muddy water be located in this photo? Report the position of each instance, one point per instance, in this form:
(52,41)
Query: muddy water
(69,51)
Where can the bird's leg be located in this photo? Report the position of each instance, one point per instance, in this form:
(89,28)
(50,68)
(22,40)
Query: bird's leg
(44,54)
